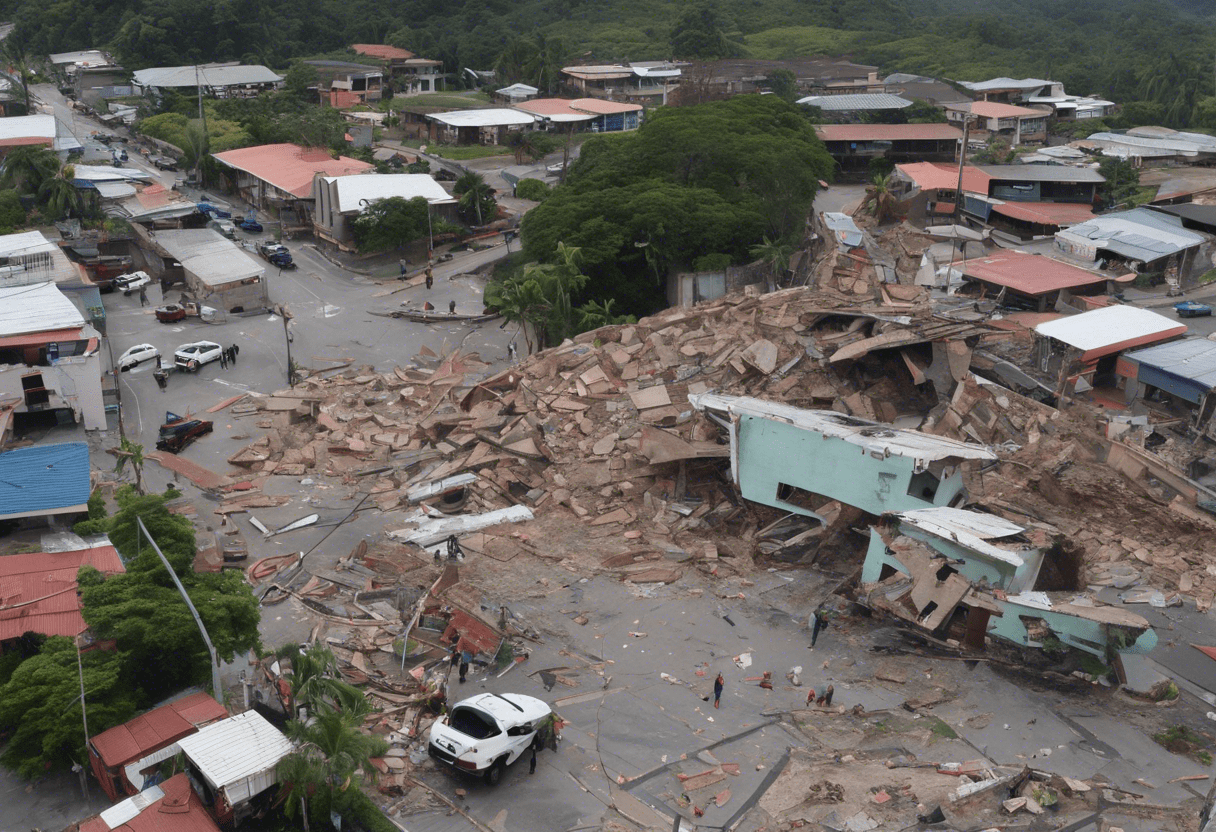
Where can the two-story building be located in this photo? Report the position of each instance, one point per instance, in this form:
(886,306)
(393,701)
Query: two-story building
(1017,125)
(280,176)
(853,146)
(411,73)
(340,199)
(347,84)
(639,82)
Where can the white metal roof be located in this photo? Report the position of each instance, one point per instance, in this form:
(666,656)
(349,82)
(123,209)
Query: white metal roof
(25,127)
(871,436)
(856,101)
(494,117)
(373,186)
(1006,84)
(518,89)
(970,528)
(108,173)
(118,814)
(25,243)
(233,749)
(88,57)
(36,307)
(1106,326)
(208,255)
(114,190)
(209,75)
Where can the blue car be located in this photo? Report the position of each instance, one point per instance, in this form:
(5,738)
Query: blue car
(250,225)
(1192,309)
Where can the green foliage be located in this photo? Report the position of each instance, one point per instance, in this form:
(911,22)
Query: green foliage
(716,177)
(533,189)
(1122,181)
(782,83)
(477,205)
(922,112)
(325,768)
(12,215)
(697,35)
(390,223)
(711,263)
(539,297)
(142,611)
(97,505)
(298,78)
(40,708)
(595,314)
(28,167)
(367,814)
(315,683)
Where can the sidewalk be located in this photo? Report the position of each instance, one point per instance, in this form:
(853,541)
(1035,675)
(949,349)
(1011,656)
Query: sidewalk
(1156,297)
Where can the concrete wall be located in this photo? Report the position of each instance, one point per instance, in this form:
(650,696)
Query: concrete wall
(244,296)
(1081,633)
(772,453)
(74,383)
(972,565)
(687,288)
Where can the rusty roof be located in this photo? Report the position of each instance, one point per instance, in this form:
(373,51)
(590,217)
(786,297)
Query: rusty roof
(38,591)
(156,729)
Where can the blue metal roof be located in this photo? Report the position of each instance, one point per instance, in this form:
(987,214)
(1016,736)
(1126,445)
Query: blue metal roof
(1186,368)
(44,479)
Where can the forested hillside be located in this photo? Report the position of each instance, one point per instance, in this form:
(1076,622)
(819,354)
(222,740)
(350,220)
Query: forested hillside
(1129,50)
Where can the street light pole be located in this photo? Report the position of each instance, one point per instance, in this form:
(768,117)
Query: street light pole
(84,718)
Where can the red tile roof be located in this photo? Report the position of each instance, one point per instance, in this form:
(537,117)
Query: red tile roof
(38,591)
(993,109)
(549,107)
(1047,213)
(930,176)
(179,810)
(1030,274)
(156,729)
(383,51)
(887,132)
(290,167)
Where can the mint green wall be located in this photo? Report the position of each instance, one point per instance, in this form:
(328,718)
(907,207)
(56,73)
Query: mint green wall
(1081,633)
(772,452)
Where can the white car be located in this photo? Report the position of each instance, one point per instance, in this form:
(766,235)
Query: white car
(127,283)
(137,355)
(193,356)
(486,733)
(224,227)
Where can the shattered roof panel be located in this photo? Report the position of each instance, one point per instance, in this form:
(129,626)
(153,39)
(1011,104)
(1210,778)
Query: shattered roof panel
(842,225)
(872,436)
(971,529)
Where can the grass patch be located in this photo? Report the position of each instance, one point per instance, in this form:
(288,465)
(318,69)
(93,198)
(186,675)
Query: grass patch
(941,729)
(460,154)
(1144,195)
(1092,665)
(1207,277)
(434,99)
(1180,739)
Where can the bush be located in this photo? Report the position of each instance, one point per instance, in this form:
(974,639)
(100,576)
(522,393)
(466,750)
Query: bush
(368,816)
(533,189)
(711,263)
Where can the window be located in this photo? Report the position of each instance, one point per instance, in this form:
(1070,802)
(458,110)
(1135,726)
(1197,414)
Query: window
(36,394)
(474,723)
(799,497)
(923,486)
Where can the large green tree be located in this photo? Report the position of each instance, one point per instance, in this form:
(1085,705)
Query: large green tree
(141,610)
(390,223)
(40,706)
(713,178)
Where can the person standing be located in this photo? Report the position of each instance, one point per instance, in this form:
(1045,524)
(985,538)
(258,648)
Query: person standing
(224,359)
(819,621)
(511,352)
(465,658)
(532,764)
(143,295)
(402,270)
(451,307)
(430,277)
(235,352)
(719,683)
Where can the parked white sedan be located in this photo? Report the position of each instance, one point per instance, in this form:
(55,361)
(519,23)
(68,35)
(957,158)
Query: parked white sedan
(486,733)
(137,355)
(192,356)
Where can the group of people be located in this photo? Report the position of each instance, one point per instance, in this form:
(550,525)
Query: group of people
(228,356)
(821,696)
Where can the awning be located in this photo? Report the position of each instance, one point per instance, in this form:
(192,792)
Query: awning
(1046,213)
(35,339)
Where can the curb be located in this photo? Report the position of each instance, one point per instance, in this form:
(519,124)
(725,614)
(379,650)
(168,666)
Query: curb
(324,253)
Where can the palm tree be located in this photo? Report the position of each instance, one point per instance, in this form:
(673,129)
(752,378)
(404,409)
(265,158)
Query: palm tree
(26,168)
(776,253)
(331,753)
(314,681)
(476,197)
(880,201)
(544,67)
(16,68)
(132,452)
(513,58)
(60,195)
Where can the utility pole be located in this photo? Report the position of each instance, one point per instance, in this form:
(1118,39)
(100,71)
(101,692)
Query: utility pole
(962,161)
(217,689)
(285,314)
(198,162)
(84,718)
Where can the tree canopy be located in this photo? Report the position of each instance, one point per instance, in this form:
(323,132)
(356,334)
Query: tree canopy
(713,178)
(390,223)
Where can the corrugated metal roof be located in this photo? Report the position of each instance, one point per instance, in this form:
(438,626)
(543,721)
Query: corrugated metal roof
(44,479)
(157,728)
(1104,331)
(172,805)
(494,117)
(38,591)
(1031,274)
(209,75)
(972,529)
(856,101)
(846,230)
(233,749)
(1193,359)
(871,436)
(289,167)
(374,186)
(1139,234)
(1043,173)
(1004,83)
(1047,213)
(518,89)
(21,130)
(994,109)
(209,255)
(887,132)
(934,176)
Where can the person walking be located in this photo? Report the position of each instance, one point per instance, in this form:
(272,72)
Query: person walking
(819,621)
(465,658)
(236,350)
(143,295)
(403,270)
(511,352)
(223,359)
(430,277)
(451,307)
(719,683)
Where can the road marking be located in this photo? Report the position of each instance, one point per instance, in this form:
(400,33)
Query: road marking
(236,384)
